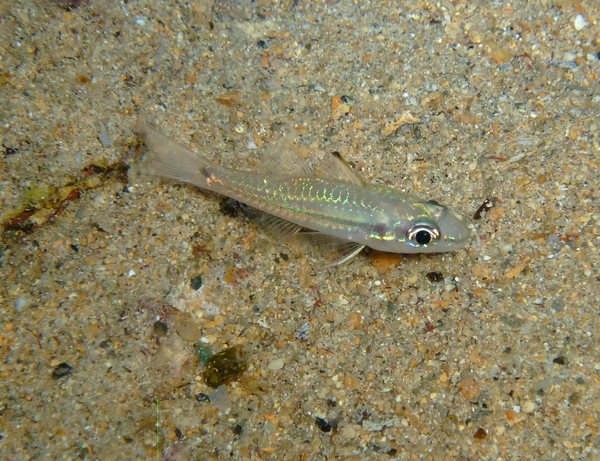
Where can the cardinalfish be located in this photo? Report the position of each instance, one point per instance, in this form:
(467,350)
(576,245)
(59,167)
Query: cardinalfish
(334,208)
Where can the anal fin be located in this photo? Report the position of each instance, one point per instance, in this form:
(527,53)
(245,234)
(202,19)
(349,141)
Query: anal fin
(335,251)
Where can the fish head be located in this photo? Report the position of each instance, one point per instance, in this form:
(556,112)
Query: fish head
(432,228)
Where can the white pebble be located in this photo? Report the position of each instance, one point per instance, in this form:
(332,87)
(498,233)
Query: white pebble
(131,273)
(580,22)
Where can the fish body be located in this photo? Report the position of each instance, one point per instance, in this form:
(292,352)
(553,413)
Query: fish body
(340,206)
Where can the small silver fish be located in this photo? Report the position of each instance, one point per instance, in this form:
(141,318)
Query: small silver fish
(337,209)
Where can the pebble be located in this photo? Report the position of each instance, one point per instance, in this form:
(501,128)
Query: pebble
(399,121)
(188,330)
(196,282)
(480,434)
(21,304)
(302,333)
(469,389)
(579,22)
(323,424)
(62,369)
(225,367)
(349,431)
(528,407)
(160,328)
(276,364)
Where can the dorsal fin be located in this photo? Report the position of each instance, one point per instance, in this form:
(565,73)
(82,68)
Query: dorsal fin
(336,168)
(283,159)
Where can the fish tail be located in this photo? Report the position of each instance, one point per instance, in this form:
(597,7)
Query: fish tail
(169,159)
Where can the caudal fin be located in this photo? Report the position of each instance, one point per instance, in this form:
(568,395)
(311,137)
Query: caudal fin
(169,159)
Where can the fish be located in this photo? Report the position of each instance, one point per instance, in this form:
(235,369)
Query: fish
(333,207)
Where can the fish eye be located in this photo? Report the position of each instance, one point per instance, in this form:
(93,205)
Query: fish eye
(421,235)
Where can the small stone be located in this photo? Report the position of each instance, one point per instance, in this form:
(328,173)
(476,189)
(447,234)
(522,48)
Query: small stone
(480,434)
(202,398)
(302,333)
(237,430)
(558,304)
(187,329)
(103,136)
(528,407)
(276,364)
(219,320)
(399,121)
(512,416)
(323,424)
(160,328)
(62,369)
(560,360)
(354,320)
(469,389)
(579,22)
(197,282)
(225,367)
(349,431)
(21,304)
(204,352)
(435,277)
(338,108)
(385,261)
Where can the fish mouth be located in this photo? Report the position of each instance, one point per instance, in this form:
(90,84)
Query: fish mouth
(454,229)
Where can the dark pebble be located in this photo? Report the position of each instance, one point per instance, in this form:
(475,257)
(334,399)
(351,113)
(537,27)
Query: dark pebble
(160,328)
(197,282)
(261,44)
(178,433)
(323,425)
(63,369)
(560,360)
(237,430)
(202,398)
(225,367)
(435,277)
(233,208)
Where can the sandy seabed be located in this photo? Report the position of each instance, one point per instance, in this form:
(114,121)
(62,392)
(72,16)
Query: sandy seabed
(115,288)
